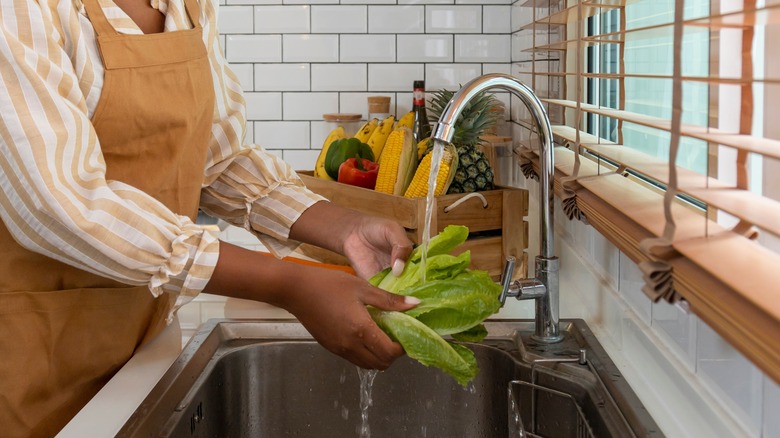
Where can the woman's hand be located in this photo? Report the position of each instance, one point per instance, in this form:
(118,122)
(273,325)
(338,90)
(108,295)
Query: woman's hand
(330,304)
(332,307)
(370,243)
(375,244)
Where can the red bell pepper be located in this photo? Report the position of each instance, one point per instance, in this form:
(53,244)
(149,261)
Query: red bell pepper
(358,172)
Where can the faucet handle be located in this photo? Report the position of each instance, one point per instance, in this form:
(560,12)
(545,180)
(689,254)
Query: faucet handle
(506,278)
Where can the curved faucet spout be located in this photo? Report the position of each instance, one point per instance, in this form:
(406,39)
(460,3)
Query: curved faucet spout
(547,329)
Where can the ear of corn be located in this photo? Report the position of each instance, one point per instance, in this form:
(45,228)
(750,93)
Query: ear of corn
(398,163)
(365,131)
(379,136)
(449,165)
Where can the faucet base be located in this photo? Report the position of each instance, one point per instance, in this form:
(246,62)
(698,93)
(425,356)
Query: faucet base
(547,339)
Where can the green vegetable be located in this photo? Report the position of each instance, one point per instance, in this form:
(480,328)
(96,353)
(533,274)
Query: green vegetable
(441,244)
(424,345)
(453,301)
(341,150)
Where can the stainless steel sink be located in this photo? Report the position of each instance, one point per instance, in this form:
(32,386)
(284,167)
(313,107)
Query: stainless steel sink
(268,378)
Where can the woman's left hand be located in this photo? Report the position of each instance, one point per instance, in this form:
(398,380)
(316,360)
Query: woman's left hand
(370,243)
(375,244)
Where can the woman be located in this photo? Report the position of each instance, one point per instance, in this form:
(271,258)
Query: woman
(119,120)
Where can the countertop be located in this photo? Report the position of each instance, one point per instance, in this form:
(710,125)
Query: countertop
(108,411)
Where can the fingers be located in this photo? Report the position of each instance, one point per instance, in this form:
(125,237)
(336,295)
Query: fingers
(368,347)
(399,254)
(379,352)
(388,301)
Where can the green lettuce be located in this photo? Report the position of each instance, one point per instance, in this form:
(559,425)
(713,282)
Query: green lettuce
(454,300)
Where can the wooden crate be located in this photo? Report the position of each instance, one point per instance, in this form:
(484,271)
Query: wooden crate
(495,231)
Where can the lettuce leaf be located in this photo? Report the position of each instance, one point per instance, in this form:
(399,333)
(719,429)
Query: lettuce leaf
(455,305)
(438,267)
(453,301)
(443,243)
(426,346)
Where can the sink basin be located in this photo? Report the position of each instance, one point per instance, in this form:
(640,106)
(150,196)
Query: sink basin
(268,378)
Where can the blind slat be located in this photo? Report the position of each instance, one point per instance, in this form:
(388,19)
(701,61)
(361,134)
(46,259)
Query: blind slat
(714,80)
(613,3)
(570,134)
(645,207)
(755,209)
(760,263)
(571,15)
(653,167)
(740,19)
(760,145)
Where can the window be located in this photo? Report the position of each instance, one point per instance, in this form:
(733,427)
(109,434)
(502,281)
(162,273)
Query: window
(612,73)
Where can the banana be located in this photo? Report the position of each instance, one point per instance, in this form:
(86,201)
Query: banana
(365,131)
(319,168)
(407,120)
(379,136)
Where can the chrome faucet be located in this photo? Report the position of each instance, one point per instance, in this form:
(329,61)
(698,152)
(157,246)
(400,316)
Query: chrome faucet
(544,288)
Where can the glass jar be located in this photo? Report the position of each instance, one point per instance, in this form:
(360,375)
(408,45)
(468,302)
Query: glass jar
(350,122)
(378,107)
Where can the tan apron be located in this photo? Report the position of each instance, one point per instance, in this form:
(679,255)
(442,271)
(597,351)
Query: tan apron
(65,332)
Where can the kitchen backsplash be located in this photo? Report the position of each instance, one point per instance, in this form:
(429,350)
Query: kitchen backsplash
(300,59)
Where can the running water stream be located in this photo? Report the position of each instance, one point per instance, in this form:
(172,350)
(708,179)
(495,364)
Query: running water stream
(430,199)
(367,376)
(516,427)
(366,385)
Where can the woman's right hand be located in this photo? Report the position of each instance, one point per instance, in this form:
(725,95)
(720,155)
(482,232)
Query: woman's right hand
(332,307)
(331,304)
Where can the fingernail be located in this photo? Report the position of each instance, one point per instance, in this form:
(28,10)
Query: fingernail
(398,267)
(411,300)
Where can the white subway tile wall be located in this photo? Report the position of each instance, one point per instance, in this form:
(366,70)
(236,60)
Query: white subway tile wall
(299,59)
(282,19)
(339,19)
(367,48)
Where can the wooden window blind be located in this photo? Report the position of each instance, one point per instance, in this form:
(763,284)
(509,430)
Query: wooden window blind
(659,109)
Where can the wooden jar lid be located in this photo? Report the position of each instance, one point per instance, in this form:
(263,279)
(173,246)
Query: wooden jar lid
(342,117)
(378,104)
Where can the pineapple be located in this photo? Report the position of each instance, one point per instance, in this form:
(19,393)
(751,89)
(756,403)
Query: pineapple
(474,172)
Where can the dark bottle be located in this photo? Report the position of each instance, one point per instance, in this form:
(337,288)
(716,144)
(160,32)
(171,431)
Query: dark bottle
(422,127)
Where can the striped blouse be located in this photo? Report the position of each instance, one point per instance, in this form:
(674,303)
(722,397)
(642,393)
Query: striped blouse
(50,64)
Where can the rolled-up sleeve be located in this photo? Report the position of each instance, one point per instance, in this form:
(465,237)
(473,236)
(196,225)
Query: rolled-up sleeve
(248,186)
(55,199)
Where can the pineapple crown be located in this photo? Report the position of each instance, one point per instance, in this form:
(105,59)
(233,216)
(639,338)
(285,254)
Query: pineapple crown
(478,117)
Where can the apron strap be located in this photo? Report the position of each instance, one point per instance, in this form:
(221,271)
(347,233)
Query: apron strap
(98,18)
(193,11)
